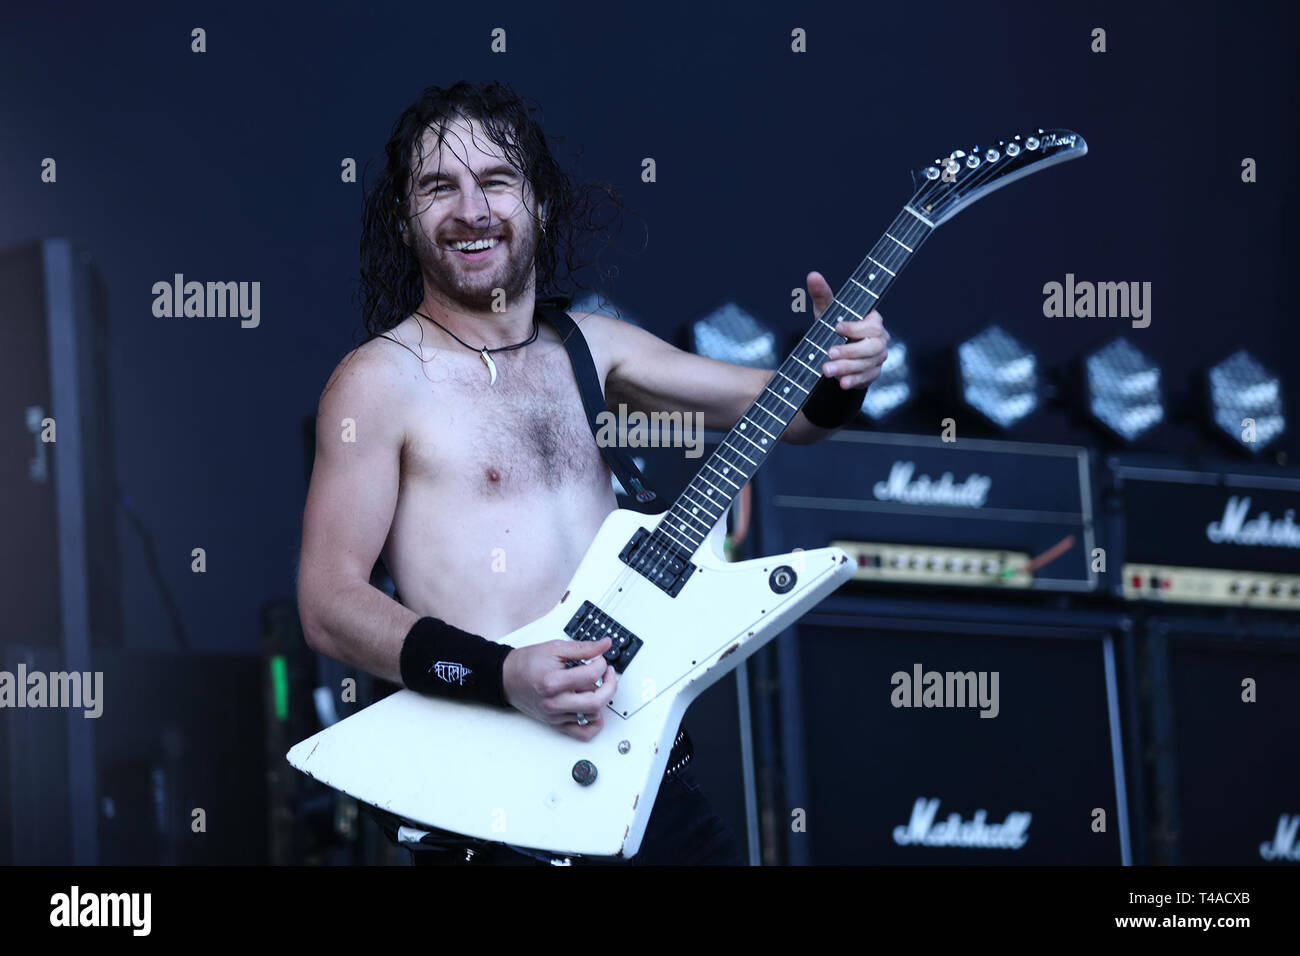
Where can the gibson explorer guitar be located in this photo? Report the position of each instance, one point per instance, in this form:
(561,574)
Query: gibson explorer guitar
(680,616)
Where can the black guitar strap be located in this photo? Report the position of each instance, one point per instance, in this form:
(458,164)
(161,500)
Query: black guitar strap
(552,309)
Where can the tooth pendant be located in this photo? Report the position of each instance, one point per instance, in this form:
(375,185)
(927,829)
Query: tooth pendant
(492,366)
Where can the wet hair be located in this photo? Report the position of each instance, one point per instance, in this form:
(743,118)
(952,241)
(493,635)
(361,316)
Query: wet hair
(392,285)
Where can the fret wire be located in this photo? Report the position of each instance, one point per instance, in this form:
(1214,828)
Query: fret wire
(721,475)
(746,457)
(762,429)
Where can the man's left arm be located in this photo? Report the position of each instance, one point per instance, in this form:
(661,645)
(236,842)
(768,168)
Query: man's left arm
(648,374)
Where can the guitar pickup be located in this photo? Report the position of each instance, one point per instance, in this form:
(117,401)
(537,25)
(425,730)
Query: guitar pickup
(664,564)
(590,623)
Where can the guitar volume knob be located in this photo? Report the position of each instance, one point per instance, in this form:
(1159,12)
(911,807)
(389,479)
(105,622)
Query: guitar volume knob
(584,772)
(782,579)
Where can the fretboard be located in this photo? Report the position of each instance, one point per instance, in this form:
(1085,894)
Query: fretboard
(706,499)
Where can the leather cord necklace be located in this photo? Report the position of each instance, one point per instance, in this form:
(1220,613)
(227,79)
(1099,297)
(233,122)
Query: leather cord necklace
(485,352)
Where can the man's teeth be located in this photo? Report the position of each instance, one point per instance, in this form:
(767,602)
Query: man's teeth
(475,245)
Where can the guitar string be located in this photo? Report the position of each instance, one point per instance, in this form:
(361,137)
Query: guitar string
(915,233)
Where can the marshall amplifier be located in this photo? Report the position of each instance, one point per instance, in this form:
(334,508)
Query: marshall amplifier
(916,510)
(1212,537)
(1224,705)
(918,734)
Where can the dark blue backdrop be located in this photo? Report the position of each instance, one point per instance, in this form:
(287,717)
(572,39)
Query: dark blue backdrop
(225,166)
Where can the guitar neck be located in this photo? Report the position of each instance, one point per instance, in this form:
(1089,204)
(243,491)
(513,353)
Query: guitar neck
(687,523)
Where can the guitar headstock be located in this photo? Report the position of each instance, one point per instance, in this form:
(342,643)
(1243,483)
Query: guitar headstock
(952,183)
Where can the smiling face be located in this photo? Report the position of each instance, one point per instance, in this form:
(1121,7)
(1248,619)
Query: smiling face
(464,190)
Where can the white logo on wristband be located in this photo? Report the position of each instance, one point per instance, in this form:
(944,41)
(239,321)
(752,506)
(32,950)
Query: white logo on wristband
(450,672)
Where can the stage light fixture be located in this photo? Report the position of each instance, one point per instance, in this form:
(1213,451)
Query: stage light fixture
(893,389)
(1246,401)
(1124,392)
(999,377)
(733,335)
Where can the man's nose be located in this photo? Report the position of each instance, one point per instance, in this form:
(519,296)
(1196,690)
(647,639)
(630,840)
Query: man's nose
(473,206)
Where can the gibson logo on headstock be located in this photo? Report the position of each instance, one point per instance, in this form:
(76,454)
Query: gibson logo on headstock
(1051,139)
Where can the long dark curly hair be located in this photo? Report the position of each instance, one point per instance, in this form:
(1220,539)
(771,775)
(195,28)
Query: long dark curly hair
(391,283)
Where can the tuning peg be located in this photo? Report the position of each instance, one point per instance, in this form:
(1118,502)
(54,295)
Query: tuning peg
(1013,149)
(932,172)
(1032,142)
(992,155)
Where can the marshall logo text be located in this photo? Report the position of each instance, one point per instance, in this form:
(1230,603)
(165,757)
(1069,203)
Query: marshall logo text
(1011,834)
(900,486)
(1284,845)
(1233,528)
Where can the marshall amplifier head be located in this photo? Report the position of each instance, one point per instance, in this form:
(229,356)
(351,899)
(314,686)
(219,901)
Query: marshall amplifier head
(914,509)
(1205,536)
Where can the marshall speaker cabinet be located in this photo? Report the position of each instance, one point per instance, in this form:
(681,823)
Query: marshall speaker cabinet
(920,738)
(1225,718)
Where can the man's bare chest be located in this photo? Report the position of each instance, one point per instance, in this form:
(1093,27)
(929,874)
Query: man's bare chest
(526,433)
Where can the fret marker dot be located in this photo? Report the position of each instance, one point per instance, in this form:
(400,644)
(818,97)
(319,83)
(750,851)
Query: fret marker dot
(742,426)
(695,511)
(810,356)
(764,441)
(872,276)
(786,389)
(726,470)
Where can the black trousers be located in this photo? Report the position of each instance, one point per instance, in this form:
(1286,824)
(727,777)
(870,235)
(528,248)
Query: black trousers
(683,830)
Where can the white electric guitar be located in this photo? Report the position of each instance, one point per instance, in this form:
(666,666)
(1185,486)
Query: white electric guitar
(680,615)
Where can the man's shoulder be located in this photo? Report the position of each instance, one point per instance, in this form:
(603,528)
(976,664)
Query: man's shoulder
(382,363)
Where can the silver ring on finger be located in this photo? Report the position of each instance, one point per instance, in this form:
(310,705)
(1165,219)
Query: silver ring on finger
(582,720)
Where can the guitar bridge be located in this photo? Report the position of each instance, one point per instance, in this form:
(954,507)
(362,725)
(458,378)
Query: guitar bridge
(668,565)
(590,623)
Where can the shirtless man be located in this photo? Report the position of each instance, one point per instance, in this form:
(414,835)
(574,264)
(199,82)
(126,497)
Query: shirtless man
(445,468)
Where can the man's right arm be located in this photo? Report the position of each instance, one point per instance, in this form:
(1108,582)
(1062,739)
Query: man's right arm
(350,506)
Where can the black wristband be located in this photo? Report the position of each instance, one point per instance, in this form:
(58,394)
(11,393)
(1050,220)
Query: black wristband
(829,406)
(443,661)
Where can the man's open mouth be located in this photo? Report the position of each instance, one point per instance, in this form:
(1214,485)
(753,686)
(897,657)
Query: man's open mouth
(474,246)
